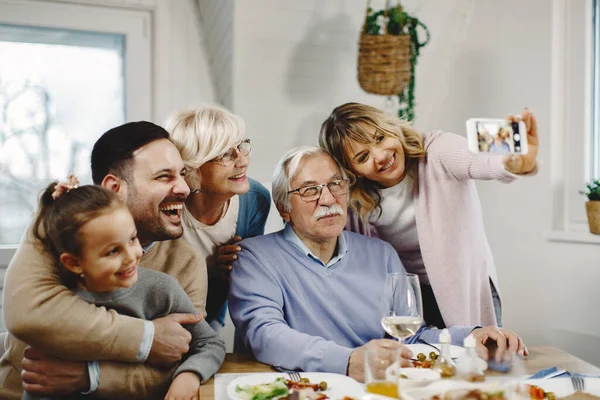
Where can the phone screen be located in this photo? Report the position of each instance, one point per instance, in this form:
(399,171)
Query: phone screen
(500,137)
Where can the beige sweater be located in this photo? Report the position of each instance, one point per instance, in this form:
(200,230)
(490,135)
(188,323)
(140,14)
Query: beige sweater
(41,311)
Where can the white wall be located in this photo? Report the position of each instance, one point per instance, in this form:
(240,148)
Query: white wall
(182,70)
(218,20)
(295,61)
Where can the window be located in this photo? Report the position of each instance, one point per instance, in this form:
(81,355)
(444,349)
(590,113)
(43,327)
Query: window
(68,73)
(59,90)
(574,116)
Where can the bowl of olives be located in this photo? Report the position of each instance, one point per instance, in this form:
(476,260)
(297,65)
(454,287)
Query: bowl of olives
(425,361)
(411,377)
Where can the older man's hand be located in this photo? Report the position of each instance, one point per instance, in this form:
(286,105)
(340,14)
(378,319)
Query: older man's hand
(387,350)
(507,341)
(44,375)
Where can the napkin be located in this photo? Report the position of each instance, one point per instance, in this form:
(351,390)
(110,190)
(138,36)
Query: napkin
(555,373)
(548,373)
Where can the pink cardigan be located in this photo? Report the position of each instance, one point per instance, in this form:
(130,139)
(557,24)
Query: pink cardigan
(455,250)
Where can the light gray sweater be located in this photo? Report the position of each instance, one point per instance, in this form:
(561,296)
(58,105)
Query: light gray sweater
(156,295)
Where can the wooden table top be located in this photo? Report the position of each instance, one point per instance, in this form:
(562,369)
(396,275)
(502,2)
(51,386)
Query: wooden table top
(540,357)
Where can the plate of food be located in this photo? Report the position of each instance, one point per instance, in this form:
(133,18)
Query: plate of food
(424,355)
(456,390)
(411,377)
(276,385)
(556,388)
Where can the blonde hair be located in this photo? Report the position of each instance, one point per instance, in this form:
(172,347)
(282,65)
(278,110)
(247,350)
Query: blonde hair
(503,133)
(357,122)
(202,134)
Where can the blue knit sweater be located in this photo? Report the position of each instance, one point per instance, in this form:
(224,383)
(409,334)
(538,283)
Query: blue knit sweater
(294,313)
(255,205)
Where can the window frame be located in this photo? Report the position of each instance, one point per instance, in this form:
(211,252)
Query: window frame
(134,24)
(571,123)
(594,146)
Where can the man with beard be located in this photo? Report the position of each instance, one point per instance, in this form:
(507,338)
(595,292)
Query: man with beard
(137,161)
(307,297)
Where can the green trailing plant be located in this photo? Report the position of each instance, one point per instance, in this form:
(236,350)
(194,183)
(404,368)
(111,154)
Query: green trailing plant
(592,190)
(401,23)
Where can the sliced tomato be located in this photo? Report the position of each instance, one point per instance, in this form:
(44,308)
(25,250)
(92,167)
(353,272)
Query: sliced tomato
(422,364)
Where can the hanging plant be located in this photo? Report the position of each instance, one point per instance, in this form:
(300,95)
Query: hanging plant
(400,23)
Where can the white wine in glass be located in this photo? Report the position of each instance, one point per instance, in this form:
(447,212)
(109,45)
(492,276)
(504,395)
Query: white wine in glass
(401,305)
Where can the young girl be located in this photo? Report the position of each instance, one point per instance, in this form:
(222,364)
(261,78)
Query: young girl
(417,190)
(91,233)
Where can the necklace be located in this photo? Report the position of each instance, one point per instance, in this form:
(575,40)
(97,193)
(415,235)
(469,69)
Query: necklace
(203,226)
(225,208)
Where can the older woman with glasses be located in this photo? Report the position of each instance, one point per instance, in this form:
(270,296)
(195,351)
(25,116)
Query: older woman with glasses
(224,205)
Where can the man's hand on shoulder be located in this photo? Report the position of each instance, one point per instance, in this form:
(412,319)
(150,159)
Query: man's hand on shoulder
(171,340)
(387,348)
(44,375)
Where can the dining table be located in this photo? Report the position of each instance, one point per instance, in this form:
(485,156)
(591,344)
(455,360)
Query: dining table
(540,357)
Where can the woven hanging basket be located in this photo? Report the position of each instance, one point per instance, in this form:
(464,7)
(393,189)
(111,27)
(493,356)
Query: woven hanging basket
(593,216)
(383,62)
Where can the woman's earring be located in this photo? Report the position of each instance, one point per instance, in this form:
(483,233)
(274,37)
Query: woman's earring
(196,191)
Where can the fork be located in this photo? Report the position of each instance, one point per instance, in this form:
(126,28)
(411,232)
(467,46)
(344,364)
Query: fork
(295,376)
(577,381)
(419,340)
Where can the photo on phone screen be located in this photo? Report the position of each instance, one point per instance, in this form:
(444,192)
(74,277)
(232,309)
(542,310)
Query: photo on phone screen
(496,136)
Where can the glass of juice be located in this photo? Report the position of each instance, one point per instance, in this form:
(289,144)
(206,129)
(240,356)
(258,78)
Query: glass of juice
(377,360)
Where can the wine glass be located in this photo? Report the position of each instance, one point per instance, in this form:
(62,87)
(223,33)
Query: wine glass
(401,305)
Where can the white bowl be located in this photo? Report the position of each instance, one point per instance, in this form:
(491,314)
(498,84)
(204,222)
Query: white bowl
(411,377)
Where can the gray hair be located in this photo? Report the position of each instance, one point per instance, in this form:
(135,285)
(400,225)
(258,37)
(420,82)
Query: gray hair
(286,170)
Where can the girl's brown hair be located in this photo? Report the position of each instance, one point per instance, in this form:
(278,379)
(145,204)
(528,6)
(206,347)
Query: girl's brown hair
(58,221)
(358,122)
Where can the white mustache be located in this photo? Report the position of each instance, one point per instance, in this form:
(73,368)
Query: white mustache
(325,211)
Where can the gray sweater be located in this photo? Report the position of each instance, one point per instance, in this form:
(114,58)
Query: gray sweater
(156,295)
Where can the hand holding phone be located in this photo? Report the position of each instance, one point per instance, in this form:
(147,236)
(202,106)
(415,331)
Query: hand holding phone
(496,136)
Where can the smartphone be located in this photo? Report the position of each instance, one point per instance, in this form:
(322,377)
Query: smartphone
(496,136)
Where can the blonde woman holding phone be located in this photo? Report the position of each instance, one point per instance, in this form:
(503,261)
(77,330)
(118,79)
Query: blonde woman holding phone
(416,191)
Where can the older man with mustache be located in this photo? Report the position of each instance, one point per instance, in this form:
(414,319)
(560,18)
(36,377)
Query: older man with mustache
(307,297)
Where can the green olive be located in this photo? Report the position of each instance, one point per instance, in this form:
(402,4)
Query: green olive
(304,380)
(433,356)
(421,357)
(403,376)
(323,386)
